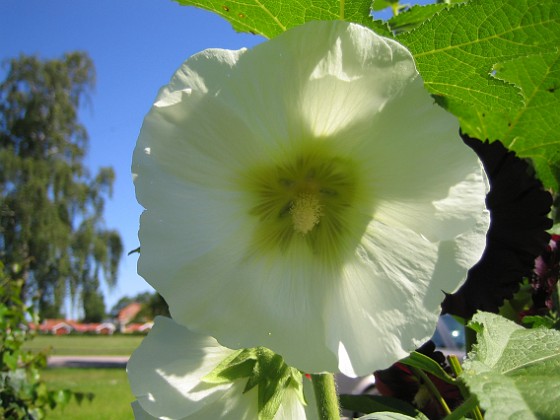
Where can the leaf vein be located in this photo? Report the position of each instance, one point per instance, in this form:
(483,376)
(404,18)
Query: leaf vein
(481,40)
(268,12)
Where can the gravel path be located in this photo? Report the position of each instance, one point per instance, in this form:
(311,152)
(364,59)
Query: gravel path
(88,361)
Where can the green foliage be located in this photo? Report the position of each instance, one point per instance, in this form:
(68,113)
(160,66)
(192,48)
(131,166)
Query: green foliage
(495,66)
(22,393)
(152,305)
(513,371)
(532,128)
(379,405)
(271,17)
(51,226)
(542,321)
(94,306)
(414,17)
(428,365)
(263,369)
(383,4)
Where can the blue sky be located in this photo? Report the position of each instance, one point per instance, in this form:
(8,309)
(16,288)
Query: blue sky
(136,45)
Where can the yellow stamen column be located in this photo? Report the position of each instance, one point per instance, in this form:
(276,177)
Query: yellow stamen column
(306,212)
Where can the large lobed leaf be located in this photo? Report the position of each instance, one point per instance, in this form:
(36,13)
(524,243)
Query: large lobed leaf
(532,130)
(514,372)
(272,17)
(495,65)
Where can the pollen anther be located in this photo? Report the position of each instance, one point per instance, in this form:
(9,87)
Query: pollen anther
(306,212)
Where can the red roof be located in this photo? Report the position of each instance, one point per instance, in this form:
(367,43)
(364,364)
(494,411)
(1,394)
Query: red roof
(138,327)
(128,313)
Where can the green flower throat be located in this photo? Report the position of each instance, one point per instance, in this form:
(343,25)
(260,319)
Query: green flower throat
(307,200)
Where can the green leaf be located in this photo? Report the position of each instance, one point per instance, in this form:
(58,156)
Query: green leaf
(272,17)
(428,365)
(414,17)
(62,396)
(495,66)
(378,404)
(514,372)
(383,4)
(10,360)
(533,129)
(539,321)
(456,50)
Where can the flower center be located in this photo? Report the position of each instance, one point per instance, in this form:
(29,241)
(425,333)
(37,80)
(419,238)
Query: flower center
(306,211)
(307,201)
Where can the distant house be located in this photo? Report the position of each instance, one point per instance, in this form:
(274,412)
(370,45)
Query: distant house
(123,321)
(137,327)
(65,326)
(127,314)
(56,327)
(105,328)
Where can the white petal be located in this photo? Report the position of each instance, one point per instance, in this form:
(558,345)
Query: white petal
(165,375)
(255,302)
(139,413)
(377,313)
(346,88)
(165,371)
(234,404)
(292,408)
(416,163)
(202,73)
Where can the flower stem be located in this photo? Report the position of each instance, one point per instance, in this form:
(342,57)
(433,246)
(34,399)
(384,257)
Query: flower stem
(432,388)
(467,407)
(457,370)
(326,396)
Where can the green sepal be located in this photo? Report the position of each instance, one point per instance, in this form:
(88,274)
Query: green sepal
(271,375)
(263,369)
(239,364)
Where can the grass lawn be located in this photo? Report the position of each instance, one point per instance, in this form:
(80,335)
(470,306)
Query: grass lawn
(110,386)
(86,345)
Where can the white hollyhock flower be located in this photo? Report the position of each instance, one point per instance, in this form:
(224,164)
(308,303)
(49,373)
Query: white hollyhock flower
(307,196)
(169,375)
